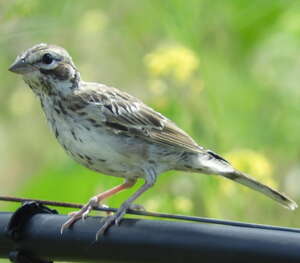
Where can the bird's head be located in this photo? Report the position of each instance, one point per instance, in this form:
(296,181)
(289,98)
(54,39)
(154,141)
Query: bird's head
(46,68)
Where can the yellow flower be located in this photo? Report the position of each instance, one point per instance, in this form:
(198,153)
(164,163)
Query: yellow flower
(175,61)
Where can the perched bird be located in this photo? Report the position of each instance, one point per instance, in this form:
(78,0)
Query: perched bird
(112,132)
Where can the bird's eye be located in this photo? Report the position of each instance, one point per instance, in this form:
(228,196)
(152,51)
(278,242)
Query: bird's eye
(47,58)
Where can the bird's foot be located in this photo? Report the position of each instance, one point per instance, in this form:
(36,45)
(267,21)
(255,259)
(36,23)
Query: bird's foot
(81,214)
(137,207)
(113,219)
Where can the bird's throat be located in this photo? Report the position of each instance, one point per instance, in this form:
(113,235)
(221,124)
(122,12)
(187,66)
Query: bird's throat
(50,85)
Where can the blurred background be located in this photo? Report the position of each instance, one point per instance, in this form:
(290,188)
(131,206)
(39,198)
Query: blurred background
(227,72)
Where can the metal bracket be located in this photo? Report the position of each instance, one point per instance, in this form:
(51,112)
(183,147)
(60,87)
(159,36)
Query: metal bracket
(16,226)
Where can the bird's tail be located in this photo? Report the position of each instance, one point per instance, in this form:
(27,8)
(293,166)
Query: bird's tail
(246,180)
(210,162)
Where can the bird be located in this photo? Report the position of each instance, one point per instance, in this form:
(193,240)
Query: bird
(114,133)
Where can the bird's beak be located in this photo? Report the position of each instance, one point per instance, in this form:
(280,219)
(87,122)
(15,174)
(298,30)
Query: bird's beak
(21,67)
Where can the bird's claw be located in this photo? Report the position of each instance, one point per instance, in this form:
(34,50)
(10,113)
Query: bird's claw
(118,220)
(110,220)
(81,214)
(69,223)
(137,207)
(85,214)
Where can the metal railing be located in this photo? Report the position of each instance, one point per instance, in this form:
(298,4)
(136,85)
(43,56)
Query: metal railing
(32,234)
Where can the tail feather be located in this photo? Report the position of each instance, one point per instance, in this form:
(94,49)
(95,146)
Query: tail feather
(250,182)
(211,163)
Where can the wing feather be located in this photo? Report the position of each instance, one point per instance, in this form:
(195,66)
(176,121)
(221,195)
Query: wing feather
(119,109)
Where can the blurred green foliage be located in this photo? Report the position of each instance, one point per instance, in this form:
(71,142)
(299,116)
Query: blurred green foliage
(227,72)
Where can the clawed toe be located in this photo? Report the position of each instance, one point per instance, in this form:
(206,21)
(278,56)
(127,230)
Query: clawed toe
(85,214)
(110,220)
(108,213)
(81,214)
(69,223)
(73,213)
(119,217)
(137,207)
(74,216)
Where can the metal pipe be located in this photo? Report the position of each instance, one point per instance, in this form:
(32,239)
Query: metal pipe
(149,241)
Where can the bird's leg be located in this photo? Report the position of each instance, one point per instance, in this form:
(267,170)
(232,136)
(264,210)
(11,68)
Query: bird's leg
(116,218)
(94,202)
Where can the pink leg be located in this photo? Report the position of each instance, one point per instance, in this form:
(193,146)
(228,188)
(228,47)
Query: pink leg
(114,190)
(94,202)
(116,217)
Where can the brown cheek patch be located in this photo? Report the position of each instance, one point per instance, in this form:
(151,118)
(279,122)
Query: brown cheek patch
(62,72)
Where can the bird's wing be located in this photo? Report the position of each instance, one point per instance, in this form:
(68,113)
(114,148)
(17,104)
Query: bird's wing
(124,113)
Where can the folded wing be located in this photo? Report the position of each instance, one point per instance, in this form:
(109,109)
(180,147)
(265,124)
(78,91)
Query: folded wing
(124,113)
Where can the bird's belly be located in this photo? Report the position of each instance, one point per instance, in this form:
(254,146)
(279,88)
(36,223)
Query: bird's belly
(100,150)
